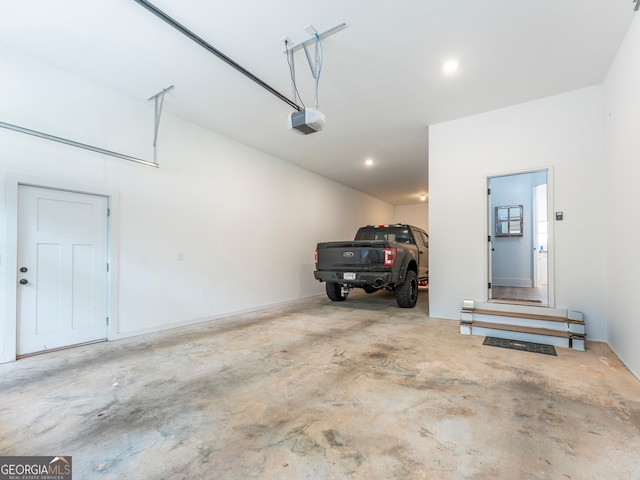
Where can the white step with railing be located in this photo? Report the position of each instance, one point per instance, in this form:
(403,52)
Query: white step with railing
(552,326)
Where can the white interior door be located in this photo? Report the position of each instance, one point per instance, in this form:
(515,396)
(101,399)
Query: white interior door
(62,269)
(541,246)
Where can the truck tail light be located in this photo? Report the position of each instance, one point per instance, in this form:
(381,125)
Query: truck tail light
(316,258)
(389,257)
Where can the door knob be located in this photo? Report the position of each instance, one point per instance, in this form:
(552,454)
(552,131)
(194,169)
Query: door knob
(24,269)
(24,281)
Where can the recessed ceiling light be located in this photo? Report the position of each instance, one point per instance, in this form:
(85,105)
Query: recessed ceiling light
(368,162)
(450,66)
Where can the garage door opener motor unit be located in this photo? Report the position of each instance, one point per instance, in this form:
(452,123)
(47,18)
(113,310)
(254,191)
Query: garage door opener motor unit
(308,120)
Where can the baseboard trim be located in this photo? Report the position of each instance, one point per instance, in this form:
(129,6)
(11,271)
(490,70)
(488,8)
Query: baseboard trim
(195,321)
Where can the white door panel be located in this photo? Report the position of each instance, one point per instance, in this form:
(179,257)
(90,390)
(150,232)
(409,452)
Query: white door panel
(62,244)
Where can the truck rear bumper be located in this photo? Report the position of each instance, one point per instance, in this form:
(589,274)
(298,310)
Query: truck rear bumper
(377,279)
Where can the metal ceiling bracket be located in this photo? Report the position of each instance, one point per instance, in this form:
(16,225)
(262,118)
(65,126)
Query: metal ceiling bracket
(312,65)
(158,99)
(322,36)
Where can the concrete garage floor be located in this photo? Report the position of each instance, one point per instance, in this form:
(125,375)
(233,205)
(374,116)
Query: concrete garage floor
(321,390)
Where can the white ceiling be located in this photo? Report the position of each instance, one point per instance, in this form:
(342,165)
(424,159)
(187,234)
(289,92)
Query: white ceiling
(381,85)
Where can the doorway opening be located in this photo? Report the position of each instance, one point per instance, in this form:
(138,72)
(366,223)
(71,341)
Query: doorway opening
(518,238)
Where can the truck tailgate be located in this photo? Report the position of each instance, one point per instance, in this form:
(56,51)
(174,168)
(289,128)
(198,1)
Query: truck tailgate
(342,256)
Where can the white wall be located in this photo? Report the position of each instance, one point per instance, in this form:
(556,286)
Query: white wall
(564,132)
(622,113)
(218,229)
(417,215)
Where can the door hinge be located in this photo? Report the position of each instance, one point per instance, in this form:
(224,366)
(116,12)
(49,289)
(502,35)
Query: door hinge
(488,191)
(489,287)
(107,267)
(108,212)
(107,320)
(488,238)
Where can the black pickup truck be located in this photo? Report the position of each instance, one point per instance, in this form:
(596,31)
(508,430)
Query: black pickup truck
(390,257)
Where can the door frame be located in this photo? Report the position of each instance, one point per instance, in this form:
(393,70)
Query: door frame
(550,230)
(8,348)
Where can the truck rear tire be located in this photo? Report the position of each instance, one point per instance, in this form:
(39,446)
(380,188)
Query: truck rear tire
(407,293)
(334,292)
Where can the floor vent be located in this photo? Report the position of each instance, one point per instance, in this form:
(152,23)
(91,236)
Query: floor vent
(520,345)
